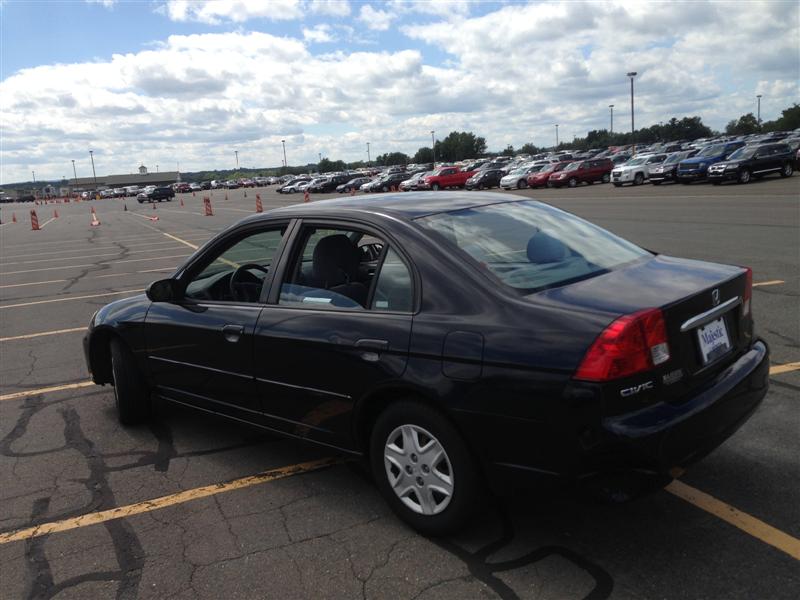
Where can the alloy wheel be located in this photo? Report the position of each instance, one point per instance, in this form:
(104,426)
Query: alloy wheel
(418,469)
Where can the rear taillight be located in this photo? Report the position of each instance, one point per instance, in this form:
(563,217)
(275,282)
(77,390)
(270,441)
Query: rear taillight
(631,344)
(748,291)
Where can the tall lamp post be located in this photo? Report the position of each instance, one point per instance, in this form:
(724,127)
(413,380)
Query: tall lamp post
(369,160)
(285,164)
(632,74)
(758,118)
(611,106)
(33,173)
(74,172)
(236,152)
(94,174)
(433,149)
(556,135)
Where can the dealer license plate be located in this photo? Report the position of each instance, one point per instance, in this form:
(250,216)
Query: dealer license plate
(714,340)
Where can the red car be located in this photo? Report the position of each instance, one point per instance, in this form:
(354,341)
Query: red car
(588,171)
(446,177)
(183,188)
(539,179)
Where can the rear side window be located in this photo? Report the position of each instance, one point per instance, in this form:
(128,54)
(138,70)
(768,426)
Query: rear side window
(531,246)
(393,290)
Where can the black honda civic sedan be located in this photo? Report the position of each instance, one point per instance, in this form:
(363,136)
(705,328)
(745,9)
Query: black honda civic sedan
(452,340)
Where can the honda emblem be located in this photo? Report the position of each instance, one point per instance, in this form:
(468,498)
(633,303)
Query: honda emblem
(715,297)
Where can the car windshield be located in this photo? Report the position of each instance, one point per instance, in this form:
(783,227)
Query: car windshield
(635,161)
(743,152)
(572,166)
(673,158)
(531,246)
(714,150)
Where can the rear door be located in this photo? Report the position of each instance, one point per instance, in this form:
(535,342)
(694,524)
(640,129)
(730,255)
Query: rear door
(324,340)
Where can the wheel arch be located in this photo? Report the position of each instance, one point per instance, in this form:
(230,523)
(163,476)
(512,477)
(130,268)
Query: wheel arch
(100,354)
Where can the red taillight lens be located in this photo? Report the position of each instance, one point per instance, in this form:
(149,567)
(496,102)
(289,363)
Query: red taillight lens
(748,292)
(631,344)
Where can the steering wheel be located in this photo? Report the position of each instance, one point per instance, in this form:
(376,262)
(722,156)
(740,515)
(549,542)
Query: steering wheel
(242,290)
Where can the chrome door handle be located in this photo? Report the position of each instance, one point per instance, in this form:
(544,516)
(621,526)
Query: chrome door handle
(232,333)
(371,349)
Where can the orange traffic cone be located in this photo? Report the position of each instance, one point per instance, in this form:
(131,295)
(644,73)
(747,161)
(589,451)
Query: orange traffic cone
(207,207)
(124,208)
(94,222)
(34,221)
(13,217)
(92,211)
(55,213)
(352,191)
(306,197)
(226,196)
(245,193)
(259,206)
(182,200)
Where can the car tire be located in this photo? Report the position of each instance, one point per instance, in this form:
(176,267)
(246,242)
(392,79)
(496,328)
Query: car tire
(744,176)
(572,182)
(131,395)
(549,184)
(656,183)
(617,185)
(435,187)
(638,179)
(716,183)
(522,184)
(450,498)
(606,178)
(140,201)
(787,170)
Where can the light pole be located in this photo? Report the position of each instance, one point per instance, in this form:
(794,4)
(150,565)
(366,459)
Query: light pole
(368,158)
(74,172)
(34,176)
(236,152)
(556,135)
(433,149)
(156,168)
(285,164)
(94,175)
(632,74)
(758,118)
(611,106)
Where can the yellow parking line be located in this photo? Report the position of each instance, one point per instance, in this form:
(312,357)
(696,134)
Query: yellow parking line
(67,299)
(749,524)
(89,250)
(102,262)
(47,390)
(778,369)
(13,285)
(50,220)
(182,241)
(28,336)
(772,282)
(164,501)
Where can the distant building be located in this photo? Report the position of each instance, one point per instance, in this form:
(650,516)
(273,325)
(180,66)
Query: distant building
(142,178)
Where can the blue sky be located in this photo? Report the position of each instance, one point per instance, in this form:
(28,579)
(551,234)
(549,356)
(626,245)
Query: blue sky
(166,81)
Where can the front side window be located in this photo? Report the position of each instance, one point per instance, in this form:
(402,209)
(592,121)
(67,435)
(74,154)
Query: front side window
(530,246)
(238,273)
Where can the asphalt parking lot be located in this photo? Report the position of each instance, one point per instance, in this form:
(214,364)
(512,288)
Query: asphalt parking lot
(92,509)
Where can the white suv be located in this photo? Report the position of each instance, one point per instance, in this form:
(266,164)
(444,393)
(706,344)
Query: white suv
(636,170)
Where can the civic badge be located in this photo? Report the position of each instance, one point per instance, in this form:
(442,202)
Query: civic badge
(715,297)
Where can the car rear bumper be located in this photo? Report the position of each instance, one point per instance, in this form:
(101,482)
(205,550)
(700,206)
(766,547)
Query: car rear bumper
(666,435)
(691,175)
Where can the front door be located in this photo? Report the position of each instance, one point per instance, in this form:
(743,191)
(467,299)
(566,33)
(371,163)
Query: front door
(200,348)
(339,326)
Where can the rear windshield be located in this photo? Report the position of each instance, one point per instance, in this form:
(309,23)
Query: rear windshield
(531,246)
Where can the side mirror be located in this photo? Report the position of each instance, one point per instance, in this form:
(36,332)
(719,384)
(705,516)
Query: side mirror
(163,290)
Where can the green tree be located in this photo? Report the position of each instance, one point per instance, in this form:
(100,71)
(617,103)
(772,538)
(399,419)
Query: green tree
(392,158)
(459,145)
(423,155)
(326,165)
(789,120)
(528,148)
(746,124)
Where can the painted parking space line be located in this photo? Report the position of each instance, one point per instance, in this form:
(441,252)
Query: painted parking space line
(146,506)
(772,282)
(69,298)
(101,238)
(46,223)
(181,240)
(14,285)
(47,390)
(121,251)
(778,369)
(115,262)
(29,336)
(747,523)
(82,251)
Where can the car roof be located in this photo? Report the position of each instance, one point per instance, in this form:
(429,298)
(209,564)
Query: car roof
(407,205)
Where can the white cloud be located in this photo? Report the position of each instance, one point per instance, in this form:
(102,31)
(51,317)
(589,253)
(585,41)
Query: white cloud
(319,34)
(331,8)
(375,19)
(237,11)
(105,3)
(510,75)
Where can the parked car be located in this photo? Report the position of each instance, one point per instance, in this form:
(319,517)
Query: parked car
(412,183)
(637,170)
(131,191)
(107,193)
(183,188)
(352,184)
(753,162)
(696,168)
(291,186)
(232,185)
(666,171)
(543,347)
(518,178)
(541,178)
(195,187)
(484,179)
(156,194)
(446,177)
(330,184)
(119,192)
(385,183)
(585,171)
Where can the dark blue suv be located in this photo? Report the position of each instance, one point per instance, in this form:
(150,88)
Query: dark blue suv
(696,168)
